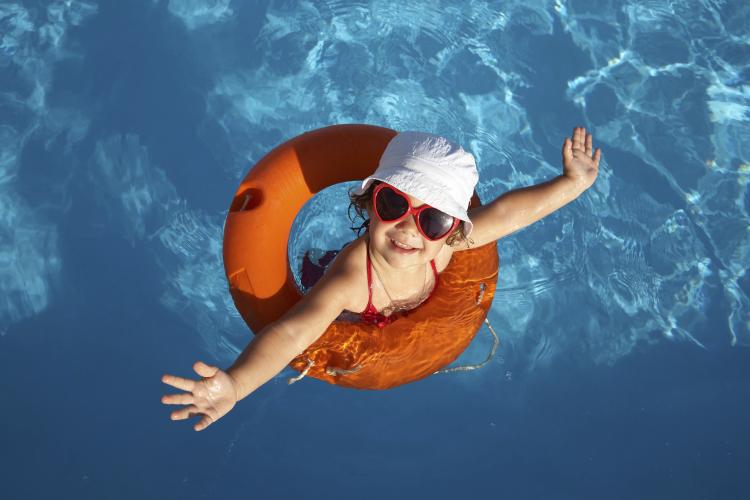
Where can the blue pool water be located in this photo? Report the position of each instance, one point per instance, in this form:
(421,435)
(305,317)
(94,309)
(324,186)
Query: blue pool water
(624,318)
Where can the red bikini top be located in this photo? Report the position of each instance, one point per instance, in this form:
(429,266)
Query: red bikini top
(370,314)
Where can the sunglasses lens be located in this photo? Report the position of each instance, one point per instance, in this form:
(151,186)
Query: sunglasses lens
(434,223)
(390,205)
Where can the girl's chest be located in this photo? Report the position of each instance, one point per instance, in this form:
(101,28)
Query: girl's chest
(401,296)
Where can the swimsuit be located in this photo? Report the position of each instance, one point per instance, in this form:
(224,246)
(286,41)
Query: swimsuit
(370,314)
(314,265)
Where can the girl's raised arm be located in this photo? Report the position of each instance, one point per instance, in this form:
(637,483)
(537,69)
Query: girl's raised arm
(521,207)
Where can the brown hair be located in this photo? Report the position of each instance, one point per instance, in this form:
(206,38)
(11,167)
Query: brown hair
(361,204)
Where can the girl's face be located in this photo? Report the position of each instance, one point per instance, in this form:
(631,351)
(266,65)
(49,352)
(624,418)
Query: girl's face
(385,238)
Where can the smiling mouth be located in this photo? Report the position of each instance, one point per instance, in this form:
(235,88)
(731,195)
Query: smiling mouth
(400,245)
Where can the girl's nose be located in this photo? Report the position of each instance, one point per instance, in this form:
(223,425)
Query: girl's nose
(408,224)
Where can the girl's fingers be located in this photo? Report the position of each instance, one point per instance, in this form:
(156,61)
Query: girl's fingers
(589,144)
(567,150)
(178,399)
(185,413)
(204,422)
(579,138)
(597,156)
(204,370)
(179,382)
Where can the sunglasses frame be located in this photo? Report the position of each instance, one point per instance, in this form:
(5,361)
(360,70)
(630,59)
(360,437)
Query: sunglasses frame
(409,211)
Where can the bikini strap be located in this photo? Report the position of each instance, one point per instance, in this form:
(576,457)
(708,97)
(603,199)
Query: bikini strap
(369,278)
(437,277)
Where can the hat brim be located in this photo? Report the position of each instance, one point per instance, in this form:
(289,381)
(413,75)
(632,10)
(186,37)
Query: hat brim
(365,185)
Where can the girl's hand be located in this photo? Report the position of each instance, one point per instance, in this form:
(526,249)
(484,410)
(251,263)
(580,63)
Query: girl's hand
(580,164)
(213,396)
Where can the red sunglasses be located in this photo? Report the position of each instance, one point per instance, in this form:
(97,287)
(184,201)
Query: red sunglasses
(392,205)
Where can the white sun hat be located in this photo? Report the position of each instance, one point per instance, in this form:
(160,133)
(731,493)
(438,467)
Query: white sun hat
(431,168)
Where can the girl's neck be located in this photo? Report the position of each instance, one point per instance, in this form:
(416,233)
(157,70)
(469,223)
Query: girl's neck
(391,274)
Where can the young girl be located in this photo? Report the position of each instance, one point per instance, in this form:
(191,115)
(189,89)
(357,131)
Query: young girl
(417,202)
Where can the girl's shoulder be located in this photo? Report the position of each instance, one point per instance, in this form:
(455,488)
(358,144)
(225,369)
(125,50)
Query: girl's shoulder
(350,264)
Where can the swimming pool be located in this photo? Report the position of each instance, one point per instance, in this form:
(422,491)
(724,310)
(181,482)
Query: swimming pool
(624,317)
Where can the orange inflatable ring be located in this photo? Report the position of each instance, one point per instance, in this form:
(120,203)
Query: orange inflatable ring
(256,234)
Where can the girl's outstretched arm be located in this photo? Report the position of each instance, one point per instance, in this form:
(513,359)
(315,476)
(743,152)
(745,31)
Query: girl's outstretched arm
(267,354)
(521,207)
(276,345)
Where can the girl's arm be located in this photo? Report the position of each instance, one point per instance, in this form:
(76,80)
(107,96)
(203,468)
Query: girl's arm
(268,353)
(519,208)
(277,344)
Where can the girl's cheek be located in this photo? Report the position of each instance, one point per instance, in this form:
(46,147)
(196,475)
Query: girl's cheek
(435,248)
